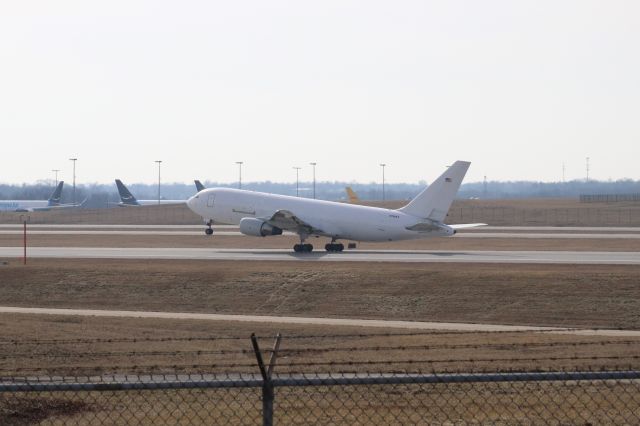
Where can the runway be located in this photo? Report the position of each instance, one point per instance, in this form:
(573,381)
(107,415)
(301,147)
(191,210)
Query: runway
(506,232)
(419,256)
(344,322)
(628,229)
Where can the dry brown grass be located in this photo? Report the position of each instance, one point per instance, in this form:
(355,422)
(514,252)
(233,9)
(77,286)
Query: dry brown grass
(555,295)
(72,345)
(520,294)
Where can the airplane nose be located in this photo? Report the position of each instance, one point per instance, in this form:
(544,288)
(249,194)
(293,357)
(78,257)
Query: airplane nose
(193,202)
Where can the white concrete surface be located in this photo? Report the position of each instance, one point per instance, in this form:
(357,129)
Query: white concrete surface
(453,256)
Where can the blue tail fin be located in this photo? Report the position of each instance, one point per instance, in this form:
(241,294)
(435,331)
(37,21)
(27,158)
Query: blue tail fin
(55,197)
(126,197)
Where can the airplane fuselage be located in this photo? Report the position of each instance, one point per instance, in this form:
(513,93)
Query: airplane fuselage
(151,203)
(23,205)
(335,220)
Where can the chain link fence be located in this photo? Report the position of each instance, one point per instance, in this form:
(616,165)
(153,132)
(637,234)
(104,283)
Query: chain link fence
(610,397)
(338,380)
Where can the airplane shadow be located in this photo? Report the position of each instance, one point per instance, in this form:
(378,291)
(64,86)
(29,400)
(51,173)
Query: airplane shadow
(321,254)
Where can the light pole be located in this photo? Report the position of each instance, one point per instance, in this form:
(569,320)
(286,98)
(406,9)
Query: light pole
(297,175)
(587,169)
(159,162)
(74,178)
(314,179)
(383,165)
(56,172)
(239,163)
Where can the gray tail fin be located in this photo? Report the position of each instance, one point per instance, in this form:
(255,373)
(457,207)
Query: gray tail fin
(56,195)
(199,185)
(125,195)
(434,201)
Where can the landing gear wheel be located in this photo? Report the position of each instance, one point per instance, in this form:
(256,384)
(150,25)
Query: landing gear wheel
(208,231)
(303,248)
(333,247)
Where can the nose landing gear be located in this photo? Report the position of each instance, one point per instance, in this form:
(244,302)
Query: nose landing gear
(209,230)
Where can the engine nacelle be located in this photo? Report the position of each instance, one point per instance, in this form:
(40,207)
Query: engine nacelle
(257,228)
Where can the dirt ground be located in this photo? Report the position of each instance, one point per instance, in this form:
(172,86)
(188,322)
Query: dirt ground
(85,345)
(560,295)
(553,295)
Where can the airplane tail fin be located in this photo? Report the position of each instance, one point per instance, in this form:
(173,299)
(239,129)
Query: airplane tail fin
(199,185)
(126,197)
(434,201)
(55,197)
(353,197)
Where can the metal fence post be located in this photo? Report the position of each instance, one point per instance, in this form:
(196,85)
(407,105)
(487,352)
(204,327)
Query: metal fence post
(268,394)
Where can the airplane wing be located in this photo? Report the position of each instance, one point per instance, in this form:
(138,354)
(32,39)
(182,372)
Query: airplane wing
(284,219)
(467,225)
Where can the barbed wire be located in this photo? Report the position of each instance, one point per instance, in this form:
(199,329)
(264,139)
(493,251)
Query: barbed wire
(134,367)
(290,351)
(468,360)
(438,332)
(458,346)
(128,354)
(396,362)
(289,337)
(16,342)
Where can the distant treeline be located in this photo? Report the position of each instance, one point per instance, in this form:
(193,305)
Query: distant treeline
(104,195)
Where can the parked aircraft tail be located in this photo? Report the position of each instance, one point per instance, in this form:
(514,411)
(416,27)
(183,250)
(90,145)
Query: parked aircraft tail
(126,197)
(55,197)
(434,201)
(199,185)
(353,197)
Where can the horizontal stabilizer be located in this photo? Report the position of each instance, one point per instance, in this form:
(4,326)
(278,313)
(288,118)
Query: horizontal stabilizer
(467,225)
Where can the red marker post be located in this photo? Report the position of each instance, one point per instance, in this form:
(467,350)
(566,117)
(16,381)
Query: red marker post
(24,219)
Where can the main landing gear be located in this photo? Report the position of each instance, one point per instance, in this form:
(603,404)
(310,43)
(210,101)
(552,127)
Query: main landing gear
(303,248)
(209,230)
(334,247)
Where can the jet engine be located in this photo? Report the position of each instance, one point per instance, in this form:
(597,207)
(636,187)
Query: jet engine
(258,228)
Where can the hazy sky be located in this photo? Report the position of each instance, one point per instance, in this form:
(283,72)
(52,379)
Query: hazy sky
(516,87)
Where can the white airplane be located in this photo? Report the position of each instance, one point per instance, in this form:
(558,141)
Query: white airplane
(260,214)
(36,205)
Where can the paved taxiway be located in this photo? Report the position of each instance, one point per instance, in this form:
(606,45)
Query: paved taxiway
(452,256)
(239,234)
(416,325)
